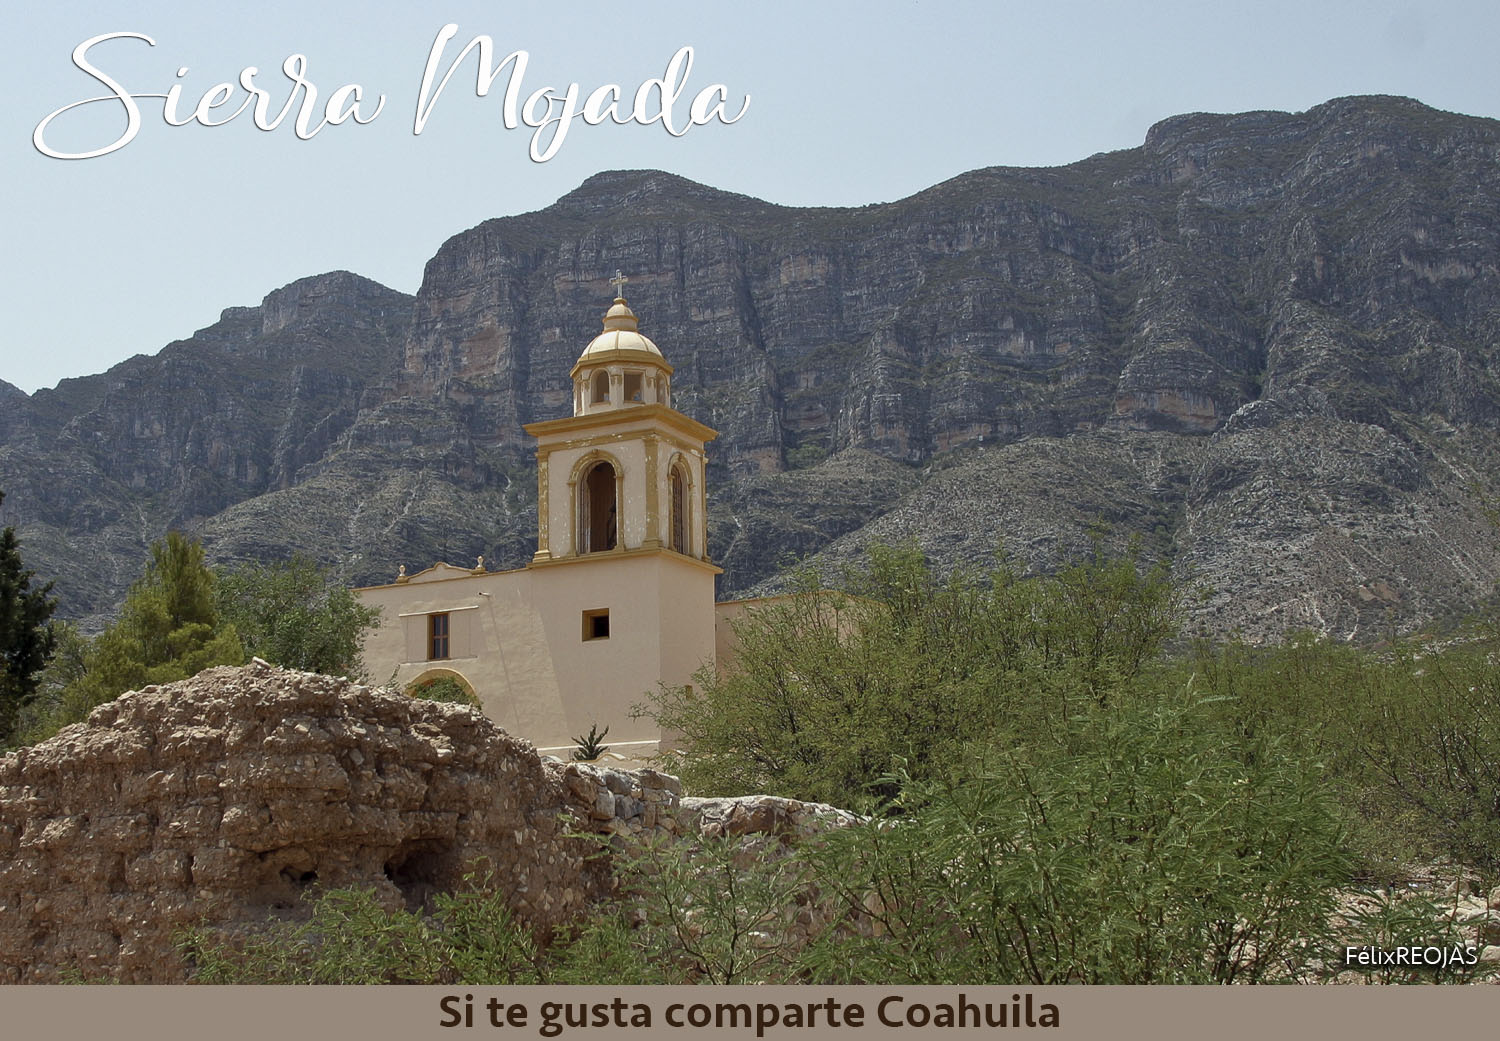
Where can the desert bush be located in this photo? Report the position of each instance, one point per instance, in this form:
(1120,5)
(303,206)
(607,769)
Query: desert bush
(1409,735)
(829,688)
(469,937)
(1399,919)
(1134,849)
(1430,736)
(713,910)
(296,614)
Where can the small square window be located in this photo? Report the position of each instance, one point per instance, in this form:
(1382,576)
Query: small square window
(596,624)
(437,636)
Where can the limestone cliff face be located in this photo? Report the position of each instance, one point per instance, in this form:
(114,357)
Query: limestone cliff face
(1326,284)
(101,466)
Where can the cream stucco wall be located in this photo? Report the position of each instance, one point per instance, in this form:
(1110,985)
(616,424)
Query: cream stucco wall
(504,660)
(517,638)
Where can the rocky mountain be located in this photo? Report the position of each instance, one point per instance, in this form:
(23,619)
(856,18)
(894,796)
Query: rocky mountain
(1265,342)
(98,468)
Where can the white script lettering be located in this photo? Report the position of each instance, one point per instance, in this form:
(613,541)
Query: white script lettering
(550,122)
(342,105)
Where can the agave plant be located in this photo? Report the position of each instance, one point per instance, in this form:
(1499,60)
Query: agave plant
(592,746)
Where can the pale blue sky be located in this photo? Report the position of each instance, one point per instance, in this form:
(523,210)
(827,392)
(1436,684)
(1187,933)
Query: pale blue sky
(851,103)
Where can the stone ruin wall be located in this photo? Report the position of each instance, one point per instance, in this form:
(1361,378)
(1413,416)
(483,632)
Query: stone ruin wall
(222,799)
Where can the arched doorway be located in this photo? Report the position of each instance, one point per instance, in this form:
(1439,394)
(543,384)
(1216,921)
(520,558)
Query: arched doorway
(443,685)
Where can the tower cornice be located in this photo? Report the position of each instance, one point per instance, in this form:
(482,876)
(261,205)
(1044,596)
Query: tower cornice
(622,419)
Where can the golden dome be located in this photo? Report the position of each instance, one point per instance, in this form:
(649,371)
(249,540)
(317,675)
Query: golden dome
(619,336)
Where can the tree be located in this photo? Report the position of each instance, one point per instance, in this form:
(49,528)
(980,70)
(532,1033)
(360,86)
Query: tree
(294,614)
(168,629)
(26,634)
(827,689)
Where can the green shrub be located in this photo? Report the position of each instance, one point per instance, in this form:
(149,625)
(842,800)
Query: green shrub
(349,940)
(720,914)
(1409,735)
(1399,919)
(470,937)
(296,614)
(447,689)
(1136,849)
(828,688)
(1430,736)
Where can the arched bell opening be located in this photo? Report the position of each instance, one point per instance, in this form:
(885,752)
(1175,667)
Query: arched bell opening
(680,533)
(598,509)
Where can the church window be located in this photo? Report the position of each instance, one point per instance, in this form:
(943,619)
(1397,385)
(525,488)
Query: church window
(679,511)
(633,386)
(437,636)
(601,387)
(596,624)
(598,522)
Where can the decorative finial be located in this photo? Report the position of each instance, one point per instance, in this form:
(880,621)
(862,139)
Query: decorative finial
(479,567)
(401,573)
(619,283)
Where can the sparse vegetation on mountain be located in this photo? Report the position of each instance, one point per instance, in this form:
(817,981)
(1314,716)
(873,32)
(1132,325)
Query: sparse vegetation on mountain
(1264,342)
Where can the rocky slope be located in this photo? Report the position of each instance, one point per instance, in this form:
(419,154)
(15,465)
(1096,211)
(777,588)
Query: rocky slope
(99,467)
(1265,341)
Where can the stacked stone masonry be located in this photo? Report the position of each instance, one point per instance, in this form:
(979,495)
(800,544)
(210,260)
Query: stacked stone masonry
(222,799)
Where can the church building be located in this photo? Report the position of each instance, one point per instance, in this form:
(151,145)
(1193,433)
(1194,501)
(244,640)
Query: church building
(619,596)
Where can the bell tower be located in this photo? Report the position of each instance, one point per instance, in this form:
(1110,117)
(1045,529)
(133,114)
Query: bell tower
(624,473)
(621,578)
(618,598)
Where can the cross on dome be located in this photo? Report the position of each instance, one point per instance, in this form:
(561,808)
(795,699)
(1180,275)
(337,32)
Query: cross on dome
(619,283)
